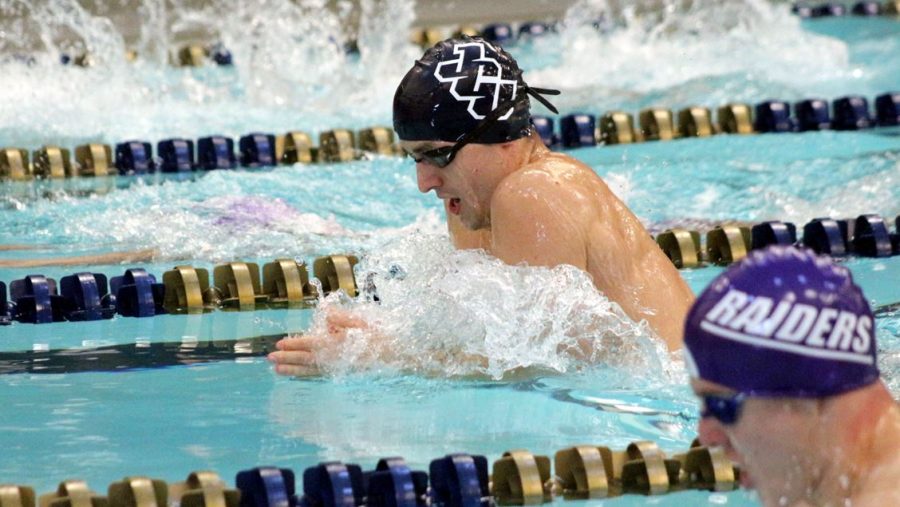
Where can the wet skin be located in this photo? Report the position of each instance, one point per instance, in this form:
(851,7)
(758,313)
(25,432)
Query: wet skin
(822,452)
(526,205)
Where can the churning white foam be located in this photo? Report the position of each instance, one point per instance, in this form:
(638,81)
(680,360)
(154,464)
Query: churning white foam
(461,313)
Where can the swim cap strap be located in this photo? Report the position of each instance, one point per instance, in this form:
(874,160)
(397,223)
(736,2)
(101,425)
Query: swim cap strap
(538,94)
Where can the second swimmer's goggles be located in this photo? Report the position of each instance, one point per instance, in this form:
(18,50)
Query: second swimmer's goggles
(726,408)
(443,156)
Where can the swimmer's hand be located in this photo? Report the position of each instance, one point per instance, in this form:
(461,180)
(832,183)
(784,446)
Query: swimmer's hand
(301,356)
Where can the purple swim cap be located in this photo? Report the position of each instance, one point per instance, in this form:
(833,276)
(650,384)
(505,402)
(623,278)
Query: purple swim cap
(783,322)
(455,85)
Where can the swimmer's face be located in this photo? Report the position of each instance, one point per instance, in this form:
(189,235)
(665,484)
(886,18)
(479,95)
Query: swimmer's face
(770,441)
(466,183)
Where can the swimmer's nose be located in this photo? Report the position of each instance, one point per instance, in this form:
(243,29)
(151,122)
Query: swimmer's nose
(428,177)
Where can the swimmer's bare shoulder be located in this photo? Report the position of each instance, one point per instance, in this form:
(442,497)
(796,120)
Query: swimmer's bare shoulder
(538,215)
(559,207)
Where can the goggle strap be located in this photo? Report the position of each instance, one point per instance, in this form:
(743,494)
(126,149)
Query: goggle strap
(538,94)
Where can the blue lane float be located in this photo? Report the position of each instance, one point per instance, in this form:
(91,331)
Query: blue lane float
(773,116)
(545,128)
(333,484)
(895,238)
(176,155)
(871,238)
(866,8)
(36,300)
(267,487)
(216,152)
(134,157)
(847,233)
(851,113)
(220,54)
(5,318)
(829,10)
(393,484)
(137,294)
(577,130)
(772,233)
(257,150)
(824,236)
(86,297)
(460,480)
(533,29)
(812,114)
(887,109)
(802,10)
(498,33)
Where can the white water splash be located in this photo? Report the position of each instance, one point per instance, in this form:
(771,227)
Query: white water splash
(291,70)
(460,313)
(652,45)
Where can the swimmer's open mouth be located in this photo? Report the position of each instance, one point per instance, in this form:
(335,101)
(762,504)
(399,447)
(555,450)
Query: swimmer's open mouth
(453,205)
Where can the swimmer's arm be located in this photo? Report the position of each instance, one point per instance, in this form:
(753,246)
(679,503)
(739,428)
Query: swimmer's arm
(464,238)
(307,355)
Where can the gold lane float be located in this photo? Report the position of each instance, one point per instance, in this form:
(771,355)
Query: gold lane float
(576,130)
(286,283)
(456,480)
(234,286)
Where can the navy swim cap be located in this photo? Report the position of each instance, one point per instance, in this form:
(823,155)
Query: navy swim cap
(783,322)
(457,84)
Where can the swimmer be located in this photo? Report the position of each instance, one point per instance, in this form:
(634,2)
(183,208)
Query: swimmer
(463,114)
(782,354)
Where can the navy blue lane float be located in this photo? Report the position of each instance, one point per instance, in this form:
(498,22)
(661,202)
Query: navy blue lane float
(5,318)
(851,113)
(824,236)
(895,237)
(871,237)
(812,114)
(773,116)
(578,130)
(36,300)
(533,29)
(545,128)
(866,8)
(220,54)
(772,233)
(86,297)
(802,10)
(257,150)
(216,152)
(887,109)
(498,33)
(176,155)
(828,9)
(134,157)
(267,487)
(393,484)
(137,294)
(333,484)
(460,480)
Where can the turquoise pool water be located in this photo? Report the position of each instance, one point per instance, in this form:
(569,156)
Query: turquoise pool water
(168,395)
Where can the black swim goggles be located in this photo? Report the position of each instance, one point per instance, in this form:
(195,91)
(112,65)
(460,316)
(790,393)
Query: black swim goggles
(443,156)
(725,408)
